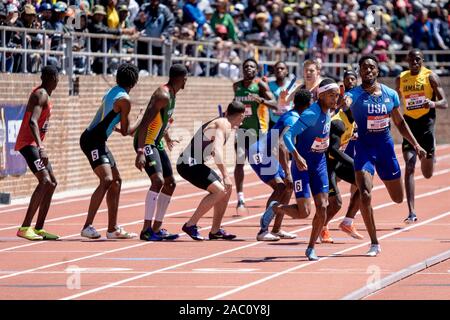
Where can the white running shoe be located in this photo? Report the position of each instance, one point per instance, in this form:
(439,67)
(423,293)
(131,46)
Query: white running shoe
(374,250)
(120,233)
(90,232)
(284,235)
(267,236)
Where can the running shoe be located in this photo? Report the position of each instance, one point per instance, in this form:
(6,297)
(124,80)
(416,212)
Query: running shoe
(267,216)
(267,236)
(374,250)
(192,231)
(90,232)
(221,234)
(120,233)
(46,235)
(351,231)
(411,218)
(311,254)
(284,235)
(241,210)
(28,233)
(165,235)
(325,236)
(149,235)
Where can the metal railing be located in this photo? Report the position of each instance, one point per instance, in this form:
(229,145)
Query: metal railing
(200,55)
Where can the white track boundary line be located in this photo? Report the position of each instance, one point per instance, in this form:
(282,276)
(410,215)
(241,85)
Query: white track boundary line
(248,246)
(368,290)
(301,266)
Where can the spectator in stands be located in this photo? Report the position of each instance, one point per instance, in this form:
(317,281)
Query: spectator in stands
(156,21)
(45,16)
(421,31)
(191,14)
(112,16)
(274,38)
(222,17)
(259,34)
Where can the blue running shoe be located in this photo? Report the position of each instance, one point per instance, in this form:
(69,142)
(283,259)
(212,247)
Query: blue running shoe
(163,233)
(267,216)
(192,231)
(411,218)
(149,235)
(311,254)
(221,234)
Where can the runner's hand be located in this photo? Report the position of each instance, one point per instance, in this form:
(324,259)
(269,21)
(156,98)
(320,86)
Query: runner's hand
(140,161)
(300,162)
(43,156)
(227,183)
(429,104)
(420,152)
(171,143)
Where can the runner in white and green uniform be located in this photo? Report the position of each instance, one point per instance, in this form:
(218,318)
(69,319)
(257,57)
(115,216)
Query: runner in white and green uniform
(257,98)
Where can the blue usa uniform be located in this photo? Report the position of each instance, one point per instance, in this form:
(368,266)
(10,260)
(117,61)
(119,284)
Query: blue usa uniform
(261,160)
(312,134)
(374,148)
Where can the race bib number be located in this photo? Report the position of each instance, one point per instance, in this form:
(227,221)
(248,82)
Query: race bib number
(377,123)
(248,110)
(94,155)
(414,101)
(298,186)
(320,144)
(148,150)
(39,164)
(192,162)
(257,158)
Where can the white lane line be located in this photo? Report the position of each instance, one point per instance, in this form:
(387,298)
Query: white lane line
(301,266)
(369,290)
(240,248)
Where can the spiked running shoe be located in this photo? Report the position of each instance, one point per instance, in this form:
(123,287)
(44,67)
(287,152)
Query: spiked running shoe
(311,254)
(28,233)
(192,232)
(221,234)
(351,231)
(149,235)
(165,235)
(46,235)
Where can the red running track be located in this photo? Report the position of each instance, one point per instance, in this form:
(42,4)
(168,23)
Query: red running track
(75,268)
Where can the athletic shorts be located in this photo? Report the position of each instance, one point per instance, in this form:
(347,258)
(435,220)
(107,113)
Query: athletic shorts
(199,175)
(423,131)
(380,156)
(337,169)
(96,150)
(33,159)
(244,139)
(265,166)
(157,160)
(314,180)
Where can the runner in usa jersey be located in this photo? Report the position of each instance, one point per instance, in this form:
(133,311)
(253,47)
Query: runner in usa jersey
(373,105)
(307,140)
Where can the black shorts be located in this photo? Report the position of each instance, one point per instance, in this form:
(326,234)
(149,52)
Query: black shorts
(157,161)
(423,130)
(244,139)
(337,169)
(33,159)
(96,150)
(199,175)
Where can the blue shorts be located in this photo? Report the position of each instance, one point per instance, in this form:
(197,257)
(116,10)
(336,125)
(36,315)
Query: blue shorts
(316,178)
(380,156)
(267,168)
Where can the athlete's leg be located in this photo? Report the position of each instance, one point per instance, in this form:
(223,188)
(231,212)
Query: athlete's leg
(354,204)
(219,210)
(163,201)
(104,174)
(45,183)
(321,203)
(278,195)
(157,182)
(410,164)
(216,193)
(112,199)
(364,181)
(46,200)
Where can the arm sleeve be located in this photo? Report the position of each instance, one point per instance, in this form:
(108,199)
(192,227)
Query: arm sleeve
(307,119)
(336,131)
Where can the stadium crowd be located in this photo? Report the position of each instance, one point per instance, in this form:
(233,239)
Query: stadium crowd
(315,27)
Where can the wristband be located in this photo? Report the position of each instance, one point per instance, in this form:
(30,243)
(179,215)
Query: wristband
(433,104)
(140,150)
(41,148)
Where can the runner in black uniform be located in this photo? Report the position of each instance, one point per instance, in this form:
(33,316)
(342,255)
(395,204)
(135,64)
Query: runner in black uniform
(208,143)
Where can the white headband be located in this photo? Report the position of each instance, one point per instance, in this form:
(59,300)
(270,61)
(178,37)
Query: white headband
(327,87)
